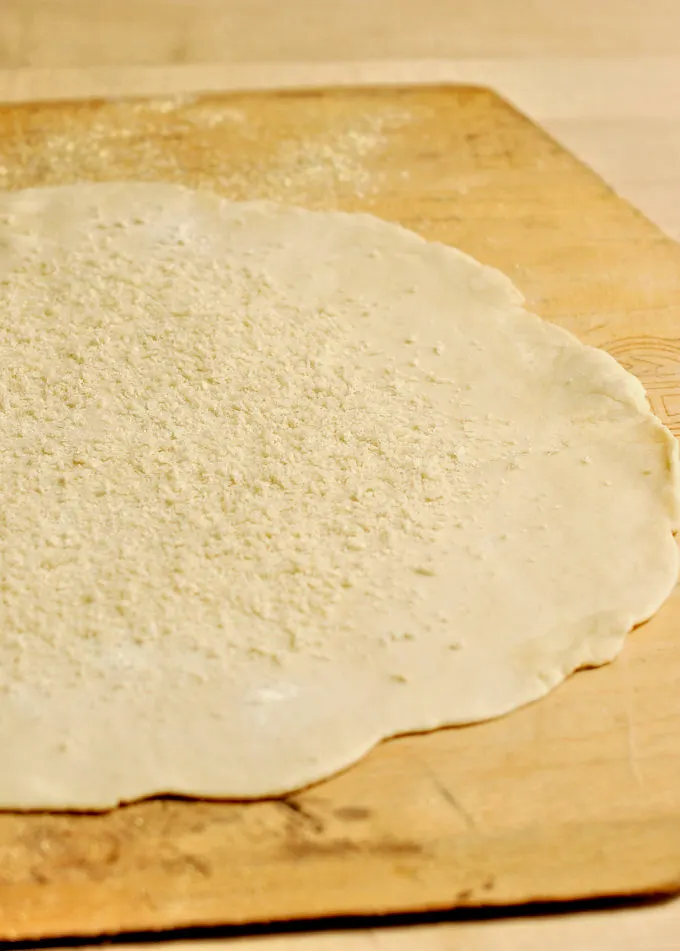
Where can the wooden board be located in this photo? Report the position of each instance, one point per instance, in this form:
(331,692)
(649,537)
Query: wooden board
(575,796)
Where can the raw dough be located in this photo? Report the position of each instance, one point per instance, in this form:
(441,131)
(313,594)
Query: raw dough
(277,484)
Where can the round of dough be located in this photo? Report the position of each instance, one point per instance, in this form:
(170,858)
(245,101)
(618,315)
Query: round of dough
(277,484)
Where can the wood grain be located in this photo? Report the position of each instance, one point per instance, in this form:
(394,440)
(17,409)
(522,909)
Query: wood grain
(571,797)
(586,61)
(593,107)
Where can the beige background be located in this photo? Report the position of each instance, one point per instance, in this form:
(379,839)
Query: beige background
(603,76)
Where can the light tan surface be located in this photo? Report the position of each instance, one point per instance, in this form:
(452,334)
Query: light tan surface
(652,928)
(589,776)
(618,80)
(129,32)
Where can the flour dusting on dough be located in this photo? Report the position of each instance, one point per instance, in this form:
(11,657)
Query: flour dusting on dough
(276,484)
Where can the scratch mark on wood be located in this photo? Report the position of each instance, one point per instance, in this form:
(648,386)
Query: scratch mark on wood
(451,799)
(297,809)
(630,726)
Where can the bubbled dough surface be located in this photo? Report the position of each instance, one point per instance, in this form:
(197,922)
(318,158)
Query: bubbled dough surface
(277,484)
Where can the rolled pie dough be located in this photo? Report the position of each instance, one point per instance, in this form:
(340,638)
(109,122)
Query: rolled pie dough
(276,484)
